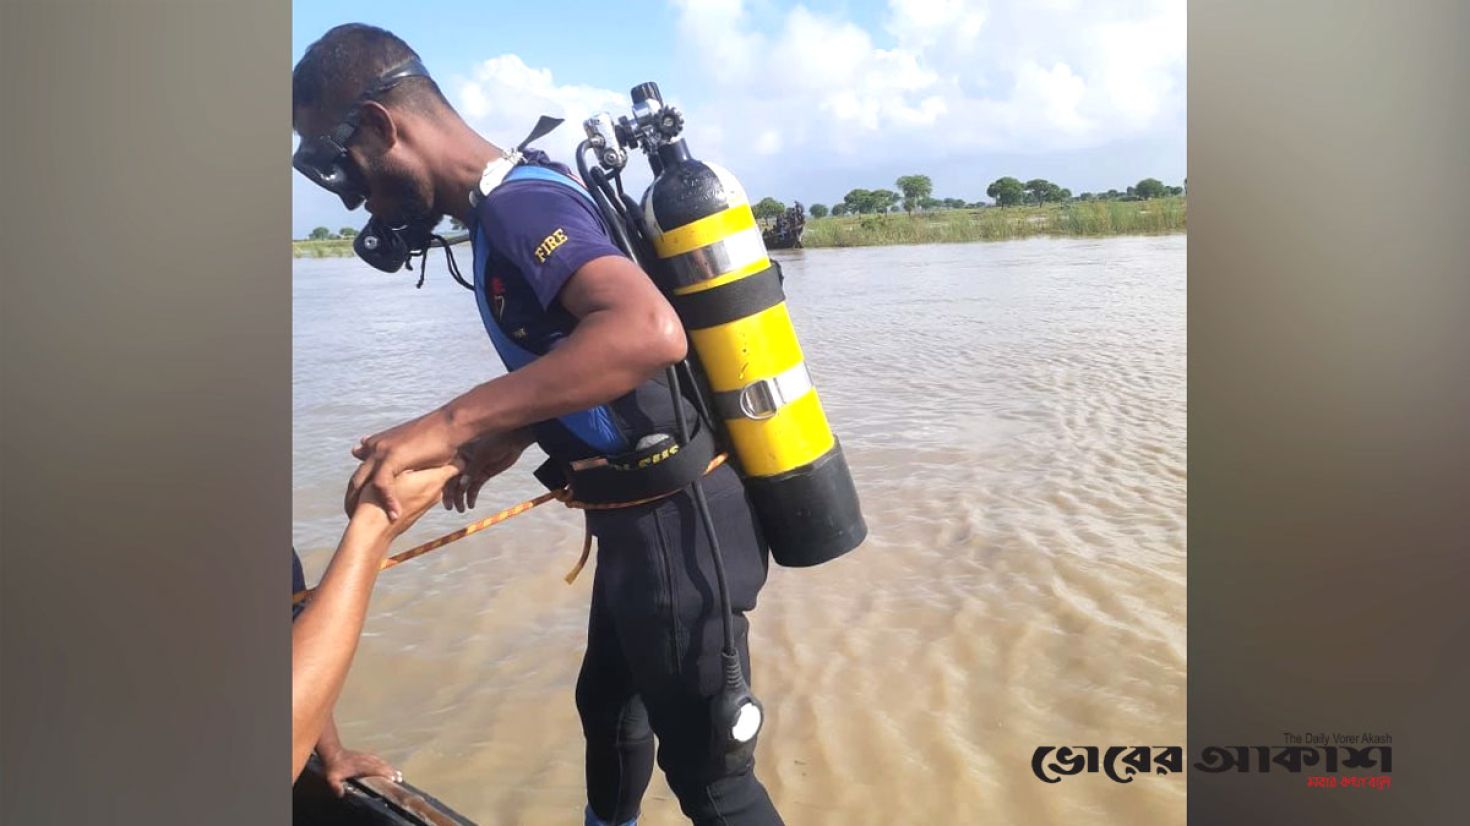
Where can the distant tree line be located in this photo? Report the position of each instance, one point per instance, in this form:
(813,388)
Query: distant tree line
(324,234)
(915,192)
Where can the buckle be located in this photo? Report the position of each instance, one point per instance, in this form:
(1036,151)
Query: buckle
(764,398)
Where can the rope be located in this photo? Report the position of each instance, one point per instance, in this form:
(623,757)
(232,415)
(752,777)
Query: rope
(571,575)
(562,495)
(433,545)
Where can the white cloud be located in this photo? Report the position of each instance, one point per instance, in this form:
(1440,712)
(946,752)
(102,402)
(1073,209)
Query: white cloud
(787,97)
(1054,96)
(769,143)
(944,81)
(503,97)
(924,25)
(724,42)
(1140,63)
(958,77)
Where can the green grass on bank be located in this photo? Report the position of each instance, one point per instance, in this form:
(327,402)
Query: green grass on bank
(1082,218)
(334,248)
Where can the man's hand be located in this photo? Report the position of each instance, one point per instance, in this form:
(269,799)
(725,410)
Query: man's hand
(425,442)
(484,459)
(416,492)
(345,764)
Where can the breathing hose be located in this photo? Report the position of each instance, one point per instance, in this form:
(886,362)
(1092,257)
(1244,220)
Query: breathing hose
(621,220)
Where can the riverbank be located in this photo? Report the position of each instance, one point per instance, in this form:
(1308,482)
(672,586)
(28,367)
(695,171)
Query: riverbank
(1074,219)
(332,248)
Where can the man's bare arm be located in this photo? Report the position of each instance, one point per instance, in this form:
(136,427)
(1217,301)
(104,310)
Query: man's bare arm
(626,332)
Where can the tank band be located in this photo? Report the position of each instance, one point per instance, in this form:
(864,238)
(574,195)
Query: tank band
(704,231)
(764,398)
(722,257)
(732,301)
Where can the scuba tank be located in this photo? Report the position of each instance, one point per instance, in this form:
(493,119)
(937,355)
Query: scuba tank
(695,234)
(712,265)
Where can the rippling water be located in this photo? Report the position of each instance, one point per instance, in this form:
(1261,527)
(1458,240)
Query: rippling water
(1014,414)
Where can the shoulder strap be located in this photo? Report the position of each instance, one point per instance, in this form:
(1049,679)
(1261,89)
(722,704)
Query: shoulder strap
(595,426)
(531,172)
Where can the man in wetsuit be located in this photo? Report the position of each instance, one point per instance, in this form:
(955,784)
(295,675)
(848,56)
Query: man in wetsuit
(587,336)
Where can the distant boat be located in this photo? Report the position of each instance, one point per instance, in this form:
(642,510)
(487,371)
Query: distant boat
(784,233)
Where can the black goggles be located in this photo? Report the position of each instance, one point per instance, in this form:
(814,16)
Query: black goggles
(323,159)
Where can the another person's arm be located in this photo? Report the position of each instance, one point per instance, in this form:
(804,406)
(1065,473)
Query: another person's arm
(324,637)
(342,764)
(338,762)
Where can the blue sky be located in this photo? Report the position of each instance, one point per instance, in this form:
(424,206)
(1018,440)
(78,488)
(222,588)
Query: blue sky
(809,100)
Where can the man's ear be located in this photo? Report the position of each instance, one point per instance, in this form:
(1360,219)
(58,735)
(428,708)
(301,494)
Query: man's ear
(380,131)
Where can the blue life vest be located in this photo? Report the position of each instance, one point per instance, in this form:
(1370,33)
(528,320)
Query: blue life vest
(594,426)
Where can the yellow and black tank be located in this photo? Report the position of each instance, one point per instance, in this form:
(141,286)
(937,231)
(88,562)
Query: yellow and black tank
(714,268)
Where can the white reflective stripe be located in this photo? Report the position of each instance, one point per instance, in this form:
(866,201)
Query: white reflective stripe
(763,399)
(734,192)
(714,260)
(650,218)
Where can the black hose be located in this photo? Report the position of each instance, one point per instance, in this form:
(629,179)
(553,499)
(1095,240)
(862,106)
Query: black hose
(701,504)
(634,216)
(582,149)
(621,217)
(616,224)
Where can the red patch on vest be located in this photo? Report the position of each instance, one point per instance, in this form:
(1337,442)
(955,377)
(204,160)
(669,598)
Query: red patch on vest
(497,297)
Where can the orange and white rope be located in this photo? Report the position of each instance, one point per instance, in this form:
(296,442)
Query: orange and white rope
(515,510)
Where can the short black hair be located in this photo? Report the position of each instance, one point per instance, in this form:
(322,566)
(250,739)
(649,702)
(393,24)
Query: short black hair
(345,62)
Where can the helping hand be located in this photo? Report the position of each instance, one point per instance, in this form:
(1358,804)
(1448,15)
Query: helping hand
(422,443)
(416,492)
(484,458)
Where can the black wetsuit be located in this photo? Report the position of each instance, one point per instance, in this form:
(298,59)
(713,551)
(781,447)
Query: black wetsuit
(654,632)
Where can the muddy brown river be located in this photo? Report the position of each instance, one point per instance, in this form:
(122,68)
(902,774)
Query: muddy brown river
(1014,415)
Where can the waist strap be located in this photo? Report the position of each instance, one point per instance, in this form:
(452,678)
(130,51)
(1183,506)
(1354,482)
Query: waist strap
(587,530)
(655,471)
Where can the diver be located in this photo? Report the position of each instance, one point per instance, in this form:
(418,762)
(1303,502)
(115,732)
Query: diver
(586,336)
